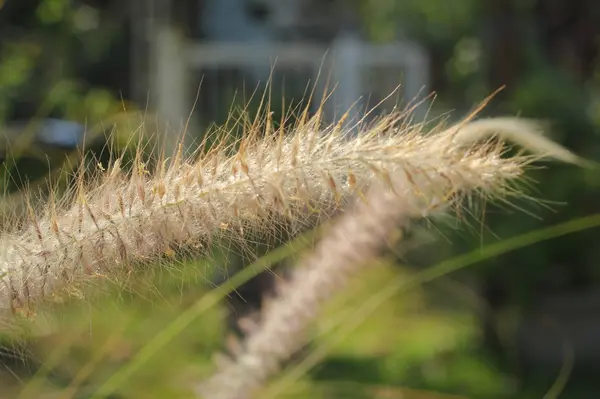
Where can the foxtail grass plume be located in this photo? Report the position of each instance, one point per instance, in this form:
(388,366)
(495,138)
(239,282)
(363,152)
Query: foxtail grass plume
(275,176)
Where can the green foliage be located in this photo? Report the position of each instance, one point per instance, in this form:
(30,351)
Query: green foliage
(46,64)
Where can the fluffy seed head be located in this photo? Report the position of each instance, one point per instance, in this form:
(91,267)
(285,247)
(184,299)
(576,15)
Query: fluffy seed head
(265,180)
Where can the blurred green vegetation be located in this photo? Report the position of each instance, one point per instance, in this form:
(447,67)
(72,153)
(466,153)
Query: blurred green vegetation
(455,338)
(547,55)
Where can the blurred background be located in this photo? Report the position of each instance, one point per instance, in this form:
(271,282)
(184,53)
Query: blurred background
(522,325)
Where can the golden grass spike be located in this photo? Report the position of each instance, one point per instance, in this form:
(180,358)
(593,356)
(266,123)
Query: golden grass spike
(108,219)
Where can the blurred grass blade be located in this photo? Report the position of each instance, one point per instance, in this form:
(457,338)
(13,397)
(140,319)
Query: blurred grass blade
(349,324)
(198,308)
